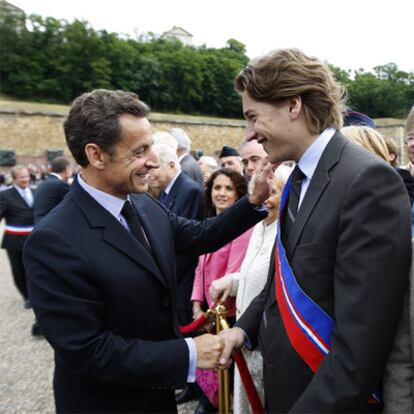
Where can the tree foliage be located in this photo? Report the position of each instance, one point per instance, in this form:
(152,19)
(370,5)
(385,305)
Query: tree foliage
(54,61)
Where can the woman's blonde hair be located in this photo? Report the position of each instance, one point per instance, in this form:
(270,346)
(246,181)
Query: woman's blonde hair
(287,73)
(368,138)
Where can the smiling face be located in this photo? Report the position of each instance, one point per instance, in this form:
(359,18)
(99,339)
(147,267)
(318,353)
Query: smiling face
(223,193)
(127,169)
(273,202)
(22,177)
(275,126)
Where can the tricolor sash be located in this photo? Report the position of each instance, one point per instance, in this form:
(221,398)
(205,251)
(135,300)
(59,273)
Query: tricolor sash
(308,326)
(18,230)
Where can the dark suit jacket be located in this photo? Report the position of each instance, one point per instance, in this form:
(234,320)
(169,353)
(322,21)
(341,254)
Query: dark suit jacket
(17,213)
(350,252)
(190,166)
(107,306)
(186,200)
(49,194)
(408,181)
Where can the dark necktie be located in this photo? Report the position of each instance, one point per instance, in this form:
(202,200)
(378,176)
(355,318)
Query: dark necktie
(132,218)
(294,195)
(163,196)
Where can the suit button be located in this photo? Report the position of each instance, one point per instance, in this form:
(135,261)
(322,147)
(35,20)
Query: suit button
(166,302)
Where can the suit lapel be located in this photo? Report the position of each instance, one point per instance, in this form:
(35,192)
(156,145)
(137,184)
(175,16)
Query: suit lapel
(113,231)
(164,262)
(317,186)
(116,235)
(170,200)
(19,198)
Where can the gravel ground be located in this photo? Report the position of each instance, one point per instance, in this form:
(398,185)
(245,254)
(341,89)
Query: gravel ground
(26,363)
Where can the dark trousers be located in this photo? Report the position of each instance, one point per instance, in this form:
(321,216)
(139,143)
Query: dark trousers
(19,274)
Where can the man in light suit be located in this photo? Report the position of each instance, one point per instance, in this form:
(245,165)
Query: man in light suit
(16,207)
(188,163)
(345,238)
(101,268)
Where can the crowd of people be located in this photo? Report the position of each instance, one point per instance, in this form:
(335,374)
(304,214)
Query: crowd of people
(303,232)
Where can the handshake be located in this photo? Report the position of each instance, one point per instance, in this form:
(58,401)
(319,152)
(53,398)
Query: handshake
(214,351)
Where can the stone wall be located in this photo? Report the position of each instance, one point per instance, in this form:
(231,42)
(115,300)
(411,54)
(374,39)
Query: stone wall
(30,135)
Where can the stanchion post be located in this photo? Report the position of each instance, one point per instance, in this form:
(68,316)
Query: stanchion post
(224,385)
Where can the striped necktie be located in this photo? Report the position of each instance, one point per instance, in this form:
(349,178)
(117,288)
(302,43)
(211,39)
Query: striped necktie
(294,196)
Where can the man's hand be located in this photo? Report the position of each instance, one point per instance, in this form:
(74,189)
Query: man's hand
(209,350)
(234,339)
(260,190)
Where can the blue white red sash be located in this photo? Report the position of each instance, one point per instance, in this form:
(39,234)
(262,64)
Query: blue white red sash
(18,230)
(308,326)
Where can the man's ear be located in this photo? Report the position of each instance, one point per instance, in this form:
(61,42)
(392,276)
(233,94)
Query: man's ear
(95,156)
(295,106)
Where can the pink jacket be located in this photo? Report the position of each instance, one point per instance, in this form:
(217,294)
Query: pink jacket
(212,266)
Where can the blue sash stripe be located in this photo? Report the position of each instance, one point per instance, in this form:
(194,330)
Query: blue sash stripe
(305,308)
(310,312)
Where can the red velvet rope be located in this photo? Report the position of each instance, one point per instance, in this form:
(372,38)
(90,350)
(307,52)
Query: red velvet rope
(194,325)
(251,391)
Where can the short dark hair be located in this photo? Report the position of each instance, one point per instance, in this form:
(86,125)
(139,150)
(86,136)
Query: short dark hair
(238,181)
(59,164)
(93,118)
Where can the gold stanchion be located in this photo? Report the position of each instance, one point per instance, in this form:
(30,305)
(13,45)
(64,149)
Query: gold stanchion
(223,374)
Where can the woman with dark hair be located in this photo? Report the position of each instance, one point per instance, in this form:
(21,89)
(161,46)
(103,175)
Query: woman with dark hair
(238,183)
(223,189)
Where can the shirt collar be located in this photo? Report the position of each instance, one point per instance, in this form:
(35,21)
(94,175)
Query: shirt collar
(169,186)
(182,156)
(109,202)
(20,189)
(56,175)
(310,159)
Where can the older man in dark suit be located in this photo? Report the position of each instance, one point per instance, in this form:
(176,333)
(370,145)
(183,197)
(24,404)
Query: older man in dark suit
(188,163)
(16,206)
(184,197)
(327,317)
(101,268)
